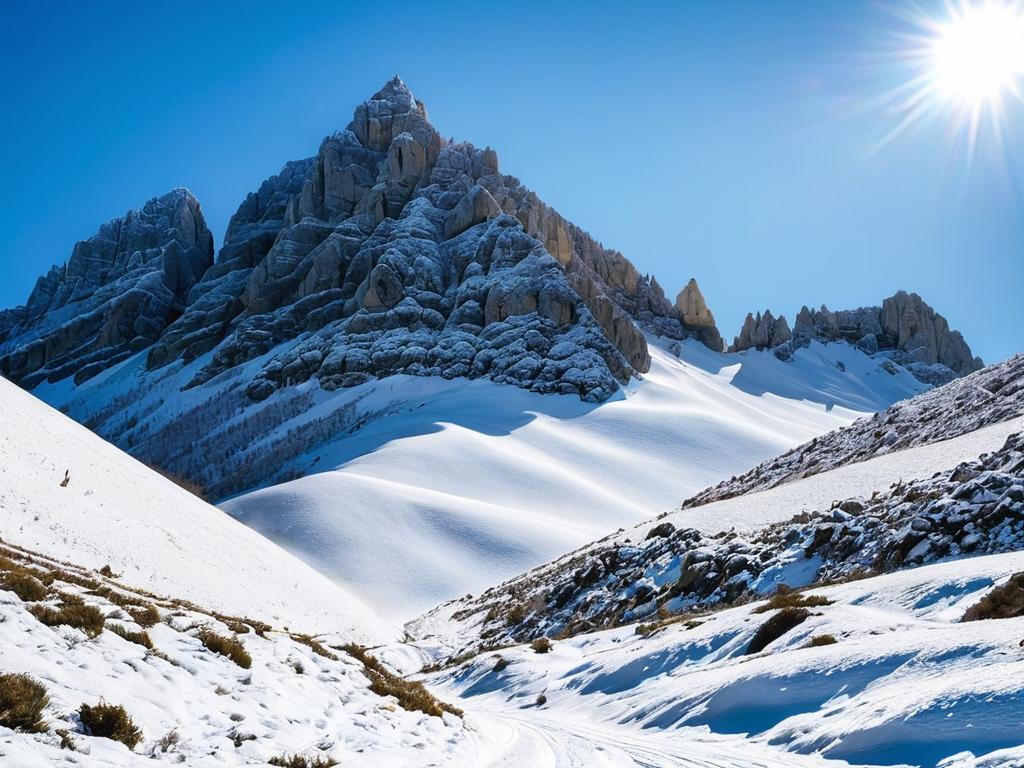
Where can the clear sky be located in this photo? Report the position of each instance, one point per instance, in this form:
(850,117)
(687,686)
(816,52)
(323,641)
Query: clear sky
(737,142)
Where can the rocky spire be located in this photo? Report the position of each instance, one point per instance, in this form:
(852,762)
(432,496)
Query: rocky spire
(696,315)
(117,293)
(762,332)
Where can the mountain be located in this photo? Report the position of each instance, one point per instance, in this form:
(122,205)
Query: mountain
(904,330)
(402,355)
(115,296)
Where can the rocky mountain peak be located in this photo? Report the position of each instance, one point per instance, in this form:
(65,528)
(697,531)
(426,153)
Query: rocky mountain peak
(115,295)
(762,332)
(904,329)
(695,314)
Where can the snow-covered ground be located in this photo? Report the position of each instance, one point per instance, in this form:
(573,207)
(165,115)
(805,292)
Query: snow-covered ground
(115,511)
(904,684)
(462,484)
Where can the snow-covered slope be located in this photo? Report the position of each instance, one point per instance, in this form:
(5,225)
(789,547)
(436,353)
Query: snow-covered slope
(286,696)
(451,486)
(115,511)
(904,683)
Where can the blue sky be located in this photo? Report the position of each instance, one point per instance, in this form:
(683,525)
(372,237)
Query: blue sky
(736,142)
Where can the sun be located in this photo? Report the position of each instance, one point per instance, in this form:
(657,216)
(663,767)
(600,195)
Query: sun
(977,54)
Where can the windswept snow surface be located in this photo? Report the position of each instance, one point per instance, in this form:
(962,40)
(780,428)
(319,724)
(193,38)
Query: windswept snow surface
(461,484)
(904,684)
(117,512)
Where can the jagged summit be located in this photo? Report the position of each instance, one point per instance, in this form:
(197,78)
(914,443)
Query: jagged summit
(695,314)
(115,295)
(904,329)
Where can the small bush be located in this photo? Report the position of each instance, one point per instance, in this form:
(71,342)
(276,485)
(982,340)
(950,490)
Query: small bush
(166,742)
(542,700)
(139,638)
(22,701)
(110,721)
(299,761)
(787,599)
(541,645)
(73,613)
(779,624)
(144,616)
(819,640)
(24,585)
(1003,602)
(500,665)
(231,647)
(107,571)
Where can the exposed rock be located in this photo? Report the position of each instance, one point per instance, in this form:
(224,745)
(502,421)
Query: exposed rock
(904,328)
(695,314)
(762,332)
(117,293)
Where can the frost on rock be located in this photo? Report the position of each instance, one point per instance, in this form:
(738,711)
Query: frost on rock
(115,295)
(988,396)
(975,508)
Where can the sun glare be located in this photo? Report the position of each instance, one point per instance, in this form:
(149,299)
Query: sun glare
(961,62)
(977,55)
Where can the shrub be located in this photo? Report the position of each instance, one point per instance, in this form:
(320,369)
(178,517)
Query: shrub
(144,616)
(139,638)
(315,646)
(299,761)
(541,645)
(110,721)
(231,647)
(542,700)
(107,571)
(24,585)
(22,701)
(779,624)
(786,599)
(1003,602)
(73,613)
(500,665)
(820,640)
(411,695)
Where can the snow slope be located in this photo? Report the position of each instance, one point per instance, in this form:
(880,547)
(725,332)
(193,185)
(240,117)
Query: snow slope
(460,484)
(905,683)
(159,537)
(198,708)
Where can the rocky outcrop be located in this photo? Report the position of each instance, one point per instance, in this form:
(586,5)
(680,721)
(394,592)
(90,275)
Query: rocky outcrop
(395,251)
(904,330)
(115,296)
(762,332)
(695,314)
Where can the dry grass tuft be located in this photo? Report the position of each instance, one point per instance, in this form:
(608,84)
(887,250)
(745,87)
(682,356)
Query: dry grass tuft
(24,585)
(775,627)
(787,599)
(301,761)
(22,701)
(139,638)
(71,612)
(231,647)
(411,695)
(110,721)
(541,645)
(1003,602)
(819,640)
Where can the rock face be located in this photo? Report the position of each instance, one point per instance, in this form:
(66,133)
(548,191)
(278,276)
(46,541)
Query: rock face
(396,251)
(904,329)
(762,332)
(116,294)
(695,314)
